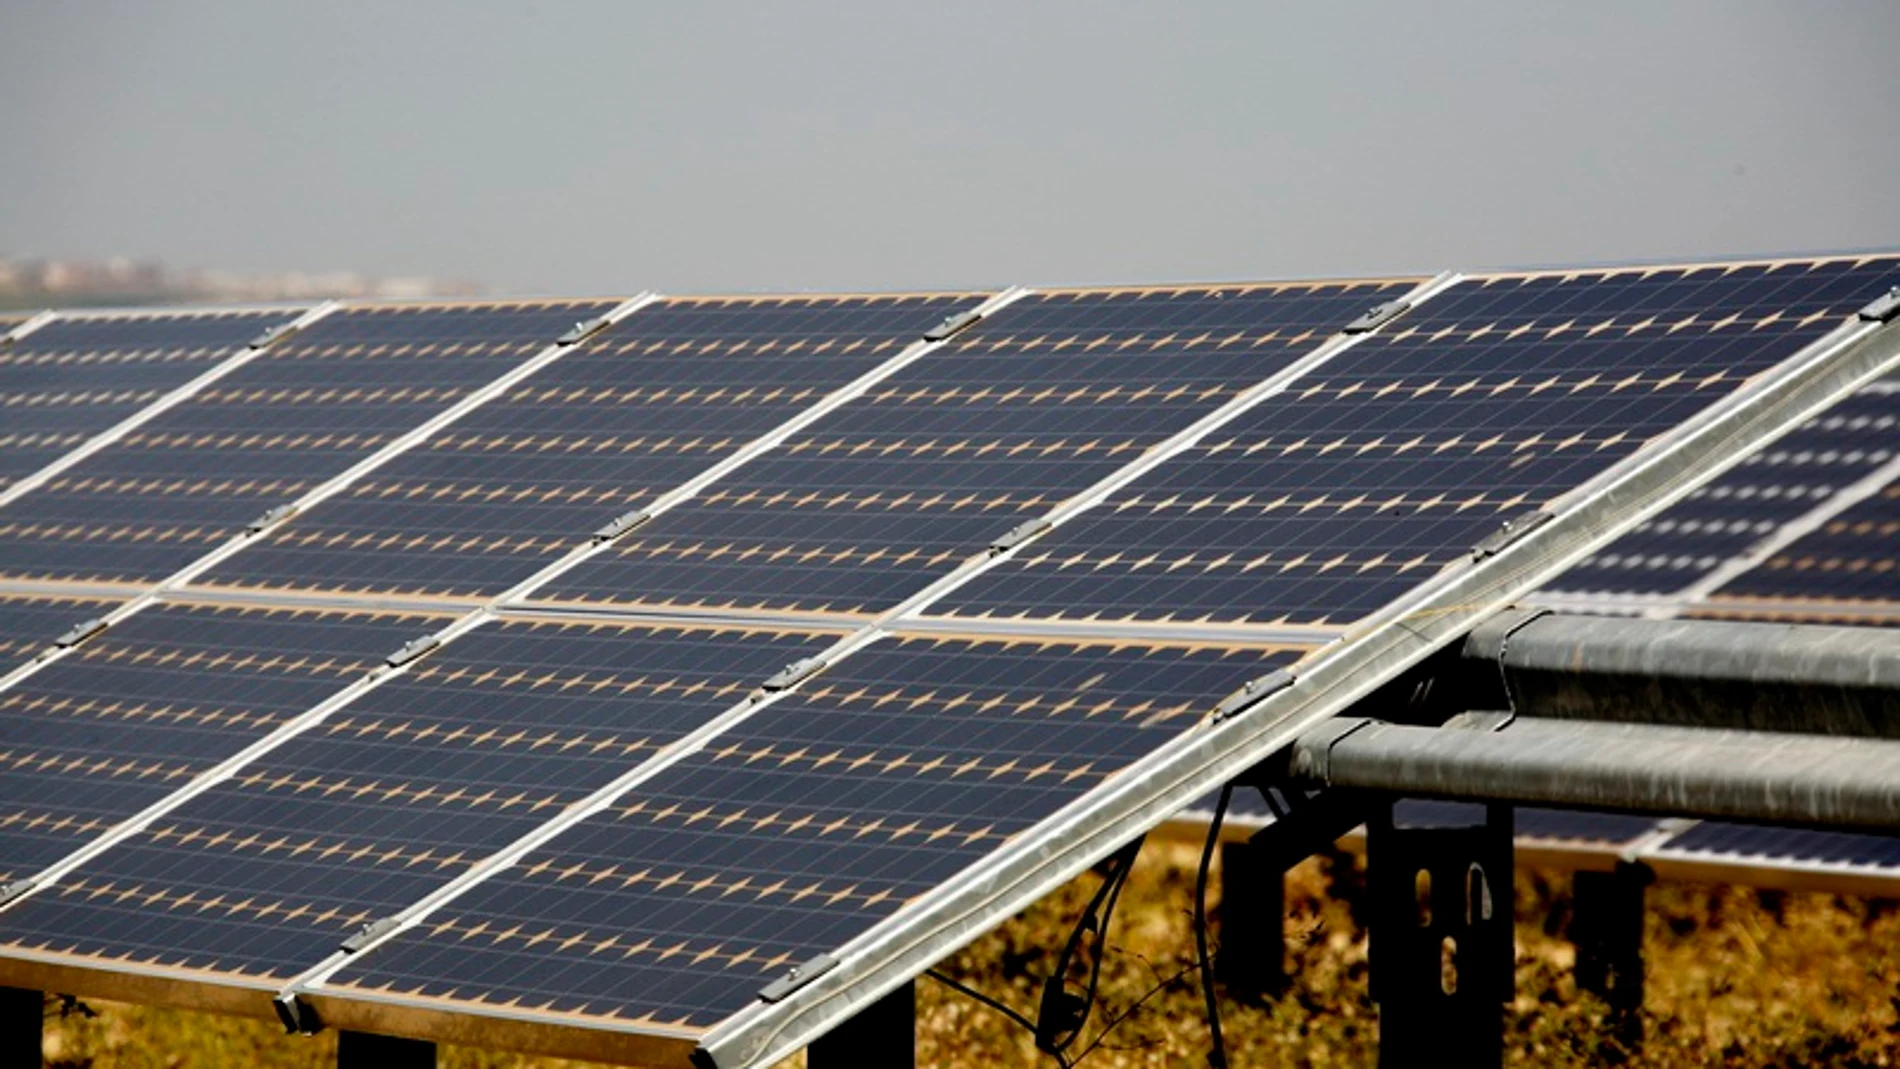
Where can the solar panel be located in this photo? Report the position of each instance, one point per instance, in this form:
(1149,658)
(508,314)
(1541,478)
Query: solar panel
(303,411)
(1390,461)
(79,374)
(29,623)
(1793,847)
(801,827)
(1039,401)
(649,404)
(1850,565)
(1774,487)
(397,793)
(134,713)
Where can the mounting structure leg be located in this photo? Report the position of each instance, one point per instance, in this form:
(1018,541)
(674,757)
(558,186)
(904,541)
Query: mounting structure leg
(22,1021)
(1251,962)
(1441,952)
(1607,928)
(365,1050)
(883,1035)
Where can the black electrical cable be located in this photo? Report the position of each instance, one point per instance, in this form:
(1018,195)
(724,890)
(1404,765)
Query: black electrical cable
(1217,1056)
(993,1003)
(1061,1016)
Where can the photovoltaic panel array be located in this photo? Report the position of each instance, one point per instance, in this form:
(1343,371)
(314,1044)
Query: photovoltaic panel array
(396,794)
(1794,847)
(1037,402)
(1751,502)
(802,826)
(301,412)
(78,375)
(1394,458)
(1850,565)
(134,713)
(29,623)
(634,412)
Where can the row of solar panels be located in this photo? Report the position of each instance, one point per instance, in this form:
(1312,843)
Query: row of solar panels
(612,815)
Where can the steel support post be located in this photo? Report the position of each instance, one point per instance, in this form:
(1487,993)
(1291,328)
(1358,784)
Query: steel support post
(1251,961)
(1441,953)
(1606,924)
(883,1035)
(365,1050)
(22,1021)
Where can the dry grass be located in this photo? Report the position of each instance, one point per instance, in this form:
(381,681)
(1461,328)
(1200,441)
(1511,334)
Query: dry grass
(1736,978)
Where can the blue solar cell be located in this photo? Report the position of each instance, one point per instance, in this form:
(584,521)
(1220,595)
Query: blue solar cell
(805,824)
(651,403)
(137,711)
(1787,845)
(1392,460)
(74,377)
(303,411)
(1034,404)
(400,792)
(1755,499)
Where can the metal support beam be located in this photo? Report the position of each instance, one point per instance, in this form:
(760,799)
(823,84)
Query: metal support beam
(1441,942)
(22,1025)
(1730,775)
(1606,924)
(366,1050)
(1251,961)
(1695,673)
(882,1035)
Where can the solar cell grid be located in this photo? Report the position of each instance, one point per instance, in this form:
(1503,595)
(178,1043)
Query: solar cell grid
(304,410)
(636,411)
(399,792)
(77,376)
(803,825)
(134,713)
(1389,462)
(1851,560)
(1040,400)
(1758,497)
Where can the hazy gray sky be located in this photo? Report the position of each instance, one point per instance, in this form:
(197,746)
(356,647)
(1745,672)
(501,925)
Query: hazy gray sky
(615,146)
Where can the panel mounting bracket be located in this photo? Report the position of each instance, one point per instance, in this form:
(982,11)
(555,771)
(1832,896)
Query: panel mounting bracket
(270,517)
(793,674)
(584,330)
(798,977)
(412,650)
(1513,529)
(1882,308)
(369,933)
(620,525)
(276,332)
(1377,317)
(80,632)
(1254,692)
(1019,534)
(13,889)
(296,1015)
(953,325)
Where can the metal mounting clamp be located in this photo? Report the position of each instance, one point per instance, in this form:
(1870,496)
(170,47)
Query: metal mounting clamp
(621,524)
(368,934)
(412,650)
(793,674)
(1512,530)
(1254,692)
(15,888)
(583,330)
(952,326)
(798,977)
(1882,308)
(275,333)
(1020,533)
(1377,317)
(80,632)
(270,517)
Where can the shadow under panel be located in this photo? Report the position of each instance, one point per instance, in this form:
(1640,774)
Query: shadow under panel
(81,374)
(303,411)
(1393,459)
(398,793)
(802,826)
(632,413)
(135,712)
(1032,405)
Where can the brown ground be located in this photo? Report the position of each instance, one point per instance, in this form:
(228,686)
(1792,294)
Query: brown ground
(1737,977)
